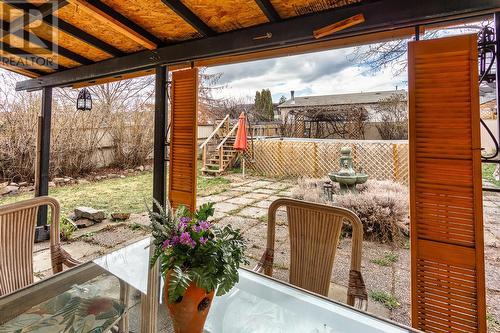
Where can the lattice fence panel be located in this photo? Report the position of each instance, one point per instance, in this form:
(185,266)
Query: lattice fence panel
(382,160)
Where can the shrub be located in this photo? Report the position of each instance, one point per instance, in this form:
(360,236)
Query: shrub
(382,206)
(386,299)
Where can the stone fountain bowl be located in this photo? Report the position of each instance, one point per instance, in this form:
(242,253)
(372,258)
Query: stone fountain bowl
(361,178)
(346,180)
(332,177)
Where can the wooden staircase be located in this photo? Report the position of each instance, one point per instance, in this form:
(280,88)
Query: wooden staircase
(218,153)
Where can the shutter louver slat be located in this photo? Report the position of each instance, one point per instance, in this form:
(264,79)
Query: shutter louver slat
(183,143)
(448,288)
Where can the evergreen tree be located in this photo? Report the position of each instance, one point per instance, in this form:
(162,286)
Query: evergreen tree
(282,100)
(258,104)
(268,106)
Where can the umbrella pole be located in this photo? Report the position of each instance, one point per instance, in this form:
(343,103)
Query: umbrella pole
(243,164)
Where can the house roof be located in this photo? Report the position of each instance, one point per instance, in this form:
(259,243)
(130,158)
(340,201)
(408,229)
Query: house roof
(341,99)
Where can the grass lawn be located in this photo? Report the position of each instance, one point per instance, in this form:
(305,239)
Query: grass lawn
(488,169)
(128,194)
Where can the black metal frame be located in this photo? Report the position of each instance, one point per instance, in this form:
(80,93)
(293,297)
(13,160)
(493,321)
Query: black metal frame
(42,181)
(268,10)
(187,15)
(290,32)
(160,126)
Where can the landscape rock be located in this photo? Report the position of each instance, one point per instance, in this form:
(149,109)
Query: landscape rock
(148,168)
(30,188)
(82,181)
(4,184)
(14,184)
(9,189)
(89,213)
(112,175)
(67,180)
(122,176)
(120,216)
(84,223)
(23,184)
(140,168)
(58,180)
(52,184)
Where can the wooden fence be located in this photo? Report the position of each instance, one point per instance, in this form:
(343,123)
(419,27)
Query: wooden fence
(381,160)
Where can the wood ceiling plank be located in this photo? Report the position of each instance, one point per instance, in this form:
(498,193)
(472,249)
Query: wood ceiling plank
(227,15)
(117,22)
(292,8)
(156,18)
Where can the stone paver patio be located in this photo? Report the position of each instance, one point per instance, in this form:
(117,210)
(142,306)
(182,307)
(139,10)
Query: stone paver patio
(244,206)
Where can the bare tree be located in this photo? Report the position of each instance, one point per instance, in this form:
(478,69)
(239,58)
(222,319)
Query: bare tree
(392,54)
(393,117)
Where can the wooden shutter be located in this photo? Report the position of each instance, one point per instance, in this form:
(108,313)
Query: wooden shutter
(183,139)
(448,288)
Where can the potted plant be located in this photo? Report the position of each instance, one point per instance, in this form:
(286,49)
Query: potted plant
(198,259)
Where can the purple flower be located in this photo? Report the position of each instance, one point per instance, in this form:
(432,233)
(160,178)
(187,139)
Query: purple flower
(187,240)
(166,243)
(182,226)
(204,225)
(174,240)
(197,228)
(203,240)
(185,219)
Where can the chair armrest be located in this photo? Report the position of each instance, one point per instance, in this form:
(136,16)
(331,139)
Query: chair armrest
(59,257)
(265,264)
(356,292)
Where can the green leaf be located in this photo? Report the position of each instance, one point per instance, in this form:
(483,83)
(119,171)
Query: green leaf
(205,211)
(179,282)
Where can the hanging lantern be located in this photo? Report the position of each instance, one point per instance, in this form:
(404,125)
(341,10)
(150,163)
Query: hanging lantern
(84,101)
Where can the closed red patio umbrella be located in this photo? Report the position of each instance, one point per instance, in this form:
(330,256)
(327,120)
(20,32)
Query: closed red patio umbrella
(241,141)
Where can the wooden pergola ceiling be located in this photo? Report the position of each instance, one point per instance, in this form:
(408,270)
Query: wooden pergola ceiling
(139,33)
(89,31)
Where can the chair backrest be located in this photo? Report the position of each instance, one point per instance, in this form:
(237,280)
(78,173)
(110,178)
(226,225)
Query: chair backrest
(17,235)
(314,232)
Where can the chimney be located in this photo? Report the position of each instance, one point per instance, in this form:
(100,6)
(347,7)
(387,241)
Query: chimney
(292,96)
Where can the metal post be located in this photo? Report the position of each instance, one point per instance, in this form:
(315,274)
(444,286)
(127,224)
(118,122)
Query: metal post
(149,302)
(417,32)
(160,125)
(42,167)
(497,60)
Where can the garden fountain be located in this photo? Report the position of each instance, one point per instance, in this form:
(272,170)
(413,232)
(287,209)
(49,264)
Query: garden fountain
(346,176)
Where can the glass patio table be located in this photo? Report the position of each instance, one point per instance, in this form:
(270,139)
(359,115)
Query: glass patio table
(256,304)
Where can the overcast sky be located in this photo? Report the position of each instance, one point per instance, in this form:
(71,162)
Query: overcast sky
(320,73)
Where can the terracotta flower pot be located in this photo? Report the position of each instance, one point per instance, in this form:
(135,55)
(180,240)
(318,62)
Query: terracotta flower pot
(189,313)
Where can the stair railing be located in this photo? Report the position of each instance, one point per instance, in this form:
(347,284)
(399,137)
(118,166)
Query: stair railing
(220,147)
(204,145)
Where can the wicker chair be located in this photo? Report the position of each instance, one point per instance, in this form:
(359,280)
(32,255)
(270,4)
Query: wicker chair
(314,233)
(17,234)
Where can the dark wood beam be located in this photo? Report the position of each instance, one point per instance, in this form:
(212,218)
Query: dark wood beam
(286,33)
(187,15)
(44,43)
(268,9)
(119,23)
(85,37)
